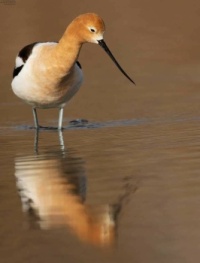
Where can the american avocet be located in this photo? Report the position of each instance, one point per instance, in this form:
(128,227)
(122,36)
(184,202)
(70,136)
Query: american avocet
(47,75)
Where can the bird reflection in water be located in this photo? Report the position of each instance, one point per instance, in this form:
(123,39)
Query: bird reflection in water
(52,188)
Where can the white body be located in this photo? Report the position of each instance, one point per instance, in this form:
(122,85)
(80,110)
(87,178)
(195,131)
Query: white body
(42,83)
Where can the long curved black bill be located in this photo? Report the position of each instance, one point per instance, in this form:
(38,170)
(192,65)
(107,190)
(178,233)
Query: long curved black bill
(104,46)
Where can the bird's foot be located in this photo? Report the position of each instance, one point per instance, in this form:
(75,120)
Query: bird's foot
(45,128)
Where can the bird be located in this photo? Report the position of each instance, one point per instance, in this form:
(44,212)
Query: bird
(48,74)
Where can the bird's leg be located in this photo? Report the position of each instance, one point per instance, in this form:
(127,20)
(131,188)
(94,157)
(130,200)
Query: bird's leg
(35,118)
(60,119)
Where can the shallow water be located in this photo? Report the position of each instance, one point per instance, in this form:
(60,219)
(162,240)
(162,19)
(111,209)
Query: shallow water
(124,186)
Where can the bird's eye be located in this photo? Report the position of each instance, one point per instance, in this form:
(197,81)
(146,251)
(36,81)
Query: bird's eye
(92,30)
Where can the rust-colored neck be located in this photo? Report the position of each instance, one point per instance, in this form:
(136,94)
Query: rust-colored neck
(68,48)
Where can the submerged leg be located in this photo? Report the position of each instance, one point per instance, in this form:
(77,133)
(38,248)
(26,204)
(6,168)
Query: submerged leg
(60,119)
(35,118)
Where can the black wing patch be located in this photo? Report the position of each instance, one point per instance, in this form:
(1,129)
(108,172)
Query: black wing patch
(24,54)
(26,51)
(17,70)
(78,63)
